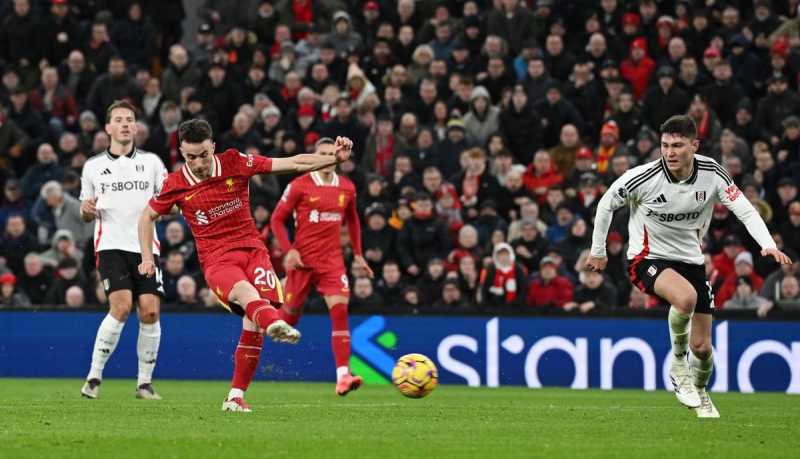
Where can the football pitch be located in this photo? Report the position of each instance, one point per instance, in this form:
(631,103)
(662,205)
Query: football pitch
(47,418)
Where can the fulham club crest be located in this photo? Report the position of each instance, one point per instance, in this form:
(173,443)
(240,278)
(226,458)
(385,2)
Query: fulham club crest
(700,196)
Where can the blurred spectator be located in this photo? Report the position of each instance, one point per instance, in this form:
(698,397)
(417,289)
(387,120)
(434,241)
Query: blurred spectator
(594,294)
(63,246)
(67,275)
(452,298)
(521,124)
(483,118)
(724,261)
(74,297)
(785,298)
(364,296)
(174,269)
(55,102)
(56,210)
(46,170)
(664,100)
(390,285)
(176,238)
(745,297)
(179,73)
(99,51)
(378,239)
(742,268)
(134,36)
(502,281)
(36,278)
(431,283)
(422,238)
(13,202)
(16,242)
(59,33)
(10,296)
(638,67)
(28,119)
(187,292)
(549,289)
(112,86)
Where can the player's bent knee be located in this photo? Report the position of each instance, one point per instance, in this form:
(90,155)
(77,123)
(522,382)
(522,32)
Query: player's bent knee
(686,301)
(700,347)
(243,293)
(120,311)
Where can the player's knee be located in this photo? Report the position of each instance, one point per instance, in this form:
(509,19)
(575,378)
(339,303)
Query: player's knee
(701,347)
(148,316)
(120,311)
(686,301)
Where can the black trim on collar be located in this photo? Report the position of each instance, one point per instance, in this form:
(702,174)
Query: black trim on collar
(671,178)
(114,157)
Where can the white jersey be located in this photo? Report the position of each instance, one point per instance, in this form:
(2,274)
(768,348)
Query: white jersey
(669,217)
(123,186)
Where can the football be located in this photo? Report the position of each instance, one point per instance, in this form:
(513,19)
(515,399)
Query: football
(415,375)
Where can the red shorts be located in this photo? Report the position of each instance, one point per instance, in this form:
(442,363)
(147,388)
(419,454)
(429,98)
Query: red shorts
(252,265)
(328,281)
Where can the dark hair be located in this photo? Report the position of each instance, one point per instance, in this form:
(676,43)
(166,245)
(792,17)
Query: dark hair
(681,125)
(194,131)
(120,104)
(324,141)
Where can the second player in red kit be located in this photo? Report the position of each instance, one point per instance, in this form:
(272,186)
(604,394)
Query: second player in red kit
(211,192)
(321,202)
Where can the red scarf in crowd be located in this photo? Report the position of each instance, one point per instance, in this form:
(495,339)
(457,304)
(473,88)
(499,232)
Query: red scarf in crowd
(505,280)
(384,152)
(303,14)
(704,126)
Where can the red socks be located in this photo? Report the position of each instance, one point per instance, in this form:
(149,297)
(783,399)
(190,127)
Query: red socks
(261,312)
(245,359)
(340,336)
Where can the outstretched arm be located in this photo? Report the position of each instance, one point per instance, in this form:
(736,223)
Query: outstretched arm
(309,162)
(730,195)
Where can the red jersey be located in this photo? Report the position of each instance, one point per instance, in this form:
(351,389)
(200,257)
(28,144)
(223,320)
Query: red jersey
(319,212)
(217,208)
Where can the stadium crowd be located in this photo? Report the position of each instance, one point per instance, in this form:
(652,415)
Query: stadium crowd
(485,134)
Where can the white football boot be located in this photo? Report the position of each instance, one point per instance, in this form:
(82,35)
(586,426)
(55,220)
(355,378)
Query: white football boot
(706,408)
(91,389)
(236,404)
(682,381)
(282,332)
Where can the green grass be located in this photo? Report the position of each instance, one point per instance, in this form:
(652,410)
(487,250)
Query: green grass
(47,418)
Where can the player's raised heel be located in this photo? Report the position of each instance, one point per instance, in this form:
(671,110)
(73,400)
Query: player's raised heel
(347,384)
(282,332)
(146,392)
(706,408)
(236,404)
(91,389)
(685,390)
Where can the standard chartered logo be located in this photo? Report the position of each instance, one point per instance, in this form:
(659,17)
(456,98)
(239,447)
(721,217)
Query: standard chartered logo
(370,340)
(201,217)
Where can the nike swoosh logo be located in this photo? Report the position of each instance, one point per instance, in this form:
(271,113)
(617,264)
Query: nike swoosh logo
(313,199)
(189,198)
(265,289)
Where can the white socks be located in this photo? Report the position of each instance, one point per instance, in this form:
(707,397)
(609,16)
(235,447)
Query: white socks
(701,369)
(341,372)
(235,393)
(678,331)
(147,350)
(104,345)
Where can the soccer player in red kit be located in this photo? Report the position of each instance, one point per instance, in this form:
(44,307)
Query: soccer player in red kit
(211,191)
(321,202)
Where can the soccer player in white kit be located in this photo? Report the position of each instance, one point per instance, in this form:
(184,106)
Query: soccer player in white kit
(671,202)
(115,186)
